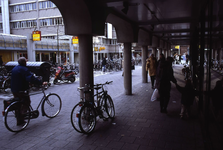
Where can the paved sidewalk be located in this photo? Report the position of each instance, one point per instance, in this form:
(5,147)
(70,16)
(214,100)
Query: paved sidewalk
(138,124)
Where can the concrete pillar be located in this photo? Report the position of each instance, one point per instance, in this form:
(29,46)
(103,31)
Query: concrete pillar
(154,51)
(85,61)
(127,69)
(159,52)
(40,56)
(213,53)
(31,54)
(71,59)
(15,56)
(5,16)
(144,57)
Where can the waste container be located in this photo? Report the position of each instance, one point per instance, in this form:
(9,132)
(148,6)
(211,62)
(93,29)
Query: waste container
(38,68)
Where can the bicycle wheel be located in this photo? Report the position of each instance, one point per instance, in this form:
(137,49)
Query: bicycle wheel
(87,119)
(12,112)
(103,108)
(51,105)
(75,117)
(110,107)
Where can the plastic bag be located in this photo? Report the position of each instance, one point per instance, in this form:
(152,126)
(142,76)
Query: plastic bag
(155,95)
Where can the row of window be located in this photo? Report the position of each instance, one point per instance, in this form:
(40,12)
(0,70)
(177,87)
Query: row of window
(33,23)
(23,24)
(23,7)
(51,21)
(31,6)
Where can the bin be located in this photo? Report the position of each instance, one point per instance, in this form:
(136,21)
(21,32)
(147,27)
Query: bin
(38,68)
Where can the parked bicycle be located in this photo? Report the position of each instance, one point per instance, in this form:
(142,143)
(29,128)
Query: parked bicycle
(50,107)
(186,72)
(83,115)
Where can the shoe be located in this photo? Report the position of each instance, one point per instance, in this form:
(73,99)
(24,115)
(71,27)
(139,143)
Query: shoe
(165,111)
(21,123)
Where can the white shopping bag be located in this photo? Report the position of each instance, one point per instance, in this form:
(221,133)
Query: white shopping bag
(155,95)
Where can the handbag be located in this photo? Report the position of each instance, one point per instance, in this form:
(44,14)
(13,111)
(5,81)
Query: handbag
(155,95)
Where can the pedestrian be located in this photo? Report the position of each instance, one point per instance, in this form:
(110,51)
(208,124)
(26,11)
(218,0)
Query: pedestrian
(216,95)
(1,62)
(151,64)
(163,77)
(103,64)
(188,94)
(20,79)
(122,67)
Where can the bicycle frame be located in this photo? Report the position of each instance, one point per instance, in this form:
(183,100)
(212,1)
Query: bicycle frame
(40,103)
(98,95)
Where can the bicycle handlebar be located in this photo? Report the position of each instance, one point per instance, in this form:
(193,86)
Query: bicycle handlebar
(87,87)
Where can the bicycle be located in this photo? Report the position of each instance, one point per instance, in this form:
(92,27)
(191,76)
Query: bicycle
(50,107)
(83,115)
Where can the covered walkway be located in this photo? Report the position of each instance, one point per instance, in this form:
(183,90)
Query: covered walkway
(138,124)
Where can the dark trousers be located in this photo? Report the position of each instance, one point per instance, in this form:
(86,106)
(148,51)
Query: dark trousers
(152,78)
(164,98)
(24,97)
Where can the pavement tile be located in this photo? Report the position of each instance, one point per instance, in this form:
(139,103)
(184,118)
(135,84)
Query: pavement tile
(115,144)
(128,146)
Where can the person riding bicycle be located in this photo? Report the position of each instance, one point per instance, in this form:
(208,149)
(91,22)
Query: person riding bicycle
(20,79)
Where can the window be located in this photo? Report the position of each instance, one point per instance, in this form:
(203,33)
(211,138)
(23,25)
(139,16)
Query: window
(24,24)
(46,4)
(23,7)
(1,26)
(42,5)
(51,21)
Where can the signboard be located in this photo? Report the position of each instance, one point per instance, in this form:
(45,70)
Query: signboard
(36,35)
(75,40)
(177,46)
(101,48)
(95,48)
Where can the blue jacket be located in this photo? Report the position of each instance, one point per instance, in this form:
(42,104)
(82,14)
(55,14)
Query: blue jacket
(21,77)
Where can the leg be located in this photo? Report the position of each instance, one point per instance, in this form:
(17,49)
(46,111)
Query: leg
(182,111)
(162,98)
(166,100)
(24,107)
(152,80)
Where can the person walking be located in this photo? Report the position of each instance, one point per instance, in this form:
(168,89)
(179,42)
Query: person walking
(188,94)
(103,64)
(151,64)
(163,77)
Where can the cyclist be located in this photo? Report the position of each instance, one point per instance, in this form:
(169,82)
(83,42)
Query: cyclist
(20,79)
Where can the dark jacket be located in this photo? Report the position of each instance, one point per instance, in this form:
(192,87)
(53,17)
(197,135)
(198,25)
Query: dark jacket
(20,79)
(164,75)
(217,95)
(188,94)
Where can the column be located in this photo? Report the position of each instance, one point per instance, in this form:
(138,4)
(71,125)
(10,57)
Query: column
(31,54)
(40,56)
(127,69)
(154,51)
(71,59)
(144,57)
(5,16)
(85,61)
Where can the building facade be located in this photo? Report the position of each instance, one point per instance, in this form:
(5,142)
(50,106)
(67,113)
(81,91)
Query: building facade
(19,18)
